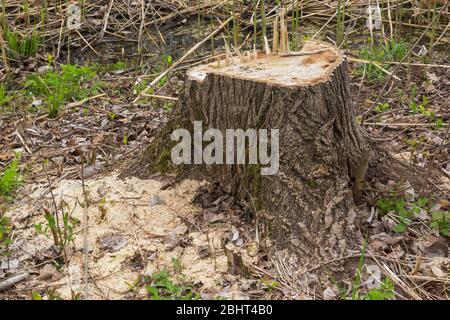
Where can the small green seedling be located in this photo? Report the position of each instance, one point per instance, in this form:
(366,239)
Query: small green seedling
(439,123)
(5,233)
(440,220)
(382,107)
(62,232)
(10,179)
(36,296)
(384,292)
(102,208)
(404,211)
(270,285)
(177,265)
(162,287)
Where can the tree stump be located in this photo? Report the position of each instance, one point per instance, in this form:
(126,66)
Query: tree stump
(308,205)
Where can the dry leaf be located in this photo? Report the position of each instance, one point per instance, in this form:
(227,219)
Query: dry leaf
(97,139)
(113,243)
(437,271)
(432,77)
(4,156)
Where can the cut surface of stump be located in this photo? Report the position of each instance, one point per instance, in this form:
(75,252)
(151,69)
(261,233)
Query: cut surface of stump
(308,205)
(290,70)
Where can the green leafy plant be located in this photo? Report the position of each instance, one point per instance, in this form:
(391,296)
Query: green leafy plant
(140,86)
(169,60)
(51,294)
(439,123)
(384,292)
(421,106)
(5,230)
(162,287)
(10,179)
(418,105)
(168,106)
(112,116)
(62,232)
(382,107)
(270,285)
(440,220)
(404,211)
(36,296)
(73,82)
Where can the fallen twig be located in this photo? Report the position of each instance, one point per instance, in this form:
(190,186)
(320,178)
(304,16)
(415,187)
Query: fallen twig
(159,97)
(8,283)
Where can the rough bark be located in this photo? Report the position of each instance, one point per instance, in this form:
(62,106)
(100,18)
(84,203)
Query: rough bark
(308,206)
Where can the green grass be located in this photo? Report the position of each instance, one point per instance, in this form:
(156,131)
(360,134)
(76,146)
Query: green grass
(71,83)
(384,291)
(20,46)
(357,279)
(387,52)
